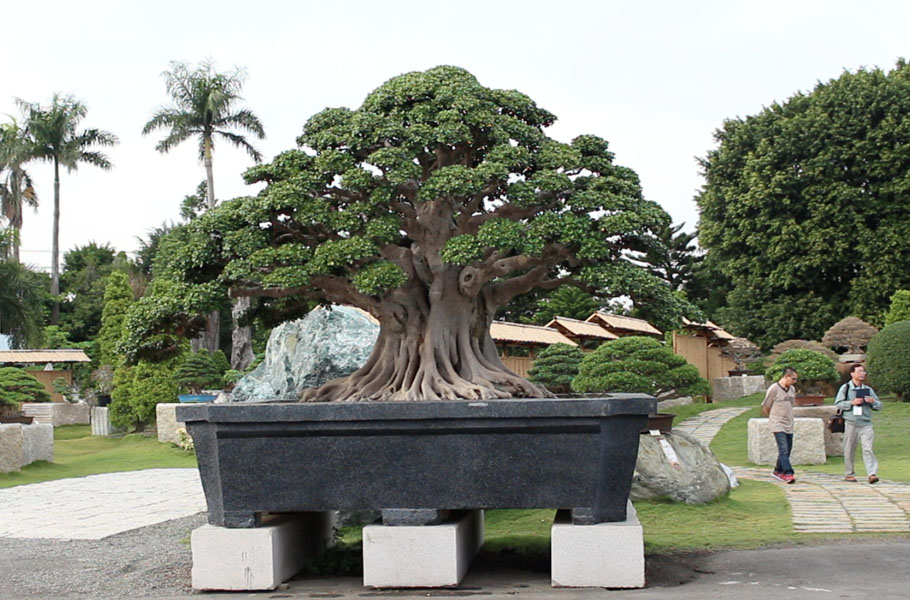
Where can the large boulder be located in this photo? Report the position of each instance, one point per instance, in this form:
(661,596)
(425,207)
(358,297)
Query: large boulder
(694,477)
(326,344)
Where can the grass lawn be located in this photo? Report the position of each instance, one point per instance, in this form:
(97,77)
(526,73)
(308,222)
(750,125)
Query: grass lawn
(78,453)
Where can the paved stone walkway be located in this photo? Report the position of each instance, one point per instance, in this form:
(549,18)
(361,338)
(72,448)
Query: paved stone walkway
(704,427)
(94,507)
(820,502)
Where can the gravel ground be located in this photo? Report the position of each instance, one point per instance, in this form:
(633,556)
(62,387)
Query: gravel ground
(151,561)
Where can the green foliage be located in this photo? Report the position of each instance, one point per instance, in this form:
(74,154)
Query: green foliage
(22,292)
(811,366)
(63,388)
(17,386)
(82,284)
(804,207)
(556,366)
(118,297)
(201,370)
(784,346)
(138,390)
(638,364)
(888,359)
(566,301)
(900,307)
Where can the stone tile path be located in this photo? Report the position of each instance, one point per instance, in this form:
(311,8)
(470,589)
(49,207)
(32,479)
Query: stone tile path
(704,427)
(820,502)
(94,507)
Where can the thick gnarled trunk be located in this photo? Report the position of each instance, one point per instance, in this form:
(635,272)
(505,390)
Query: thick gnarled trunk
(431,346)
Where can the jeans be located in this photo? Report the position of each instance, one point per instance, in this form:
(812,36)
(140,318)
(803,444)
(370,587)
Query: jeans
(784,446)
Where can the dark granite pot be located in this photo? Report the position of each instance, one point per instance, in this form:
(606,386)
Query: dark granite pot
(577,454)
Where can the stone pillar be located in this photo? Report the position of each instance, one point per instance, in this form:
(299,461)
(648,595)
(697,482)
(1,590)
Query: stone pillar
(166,423)
(101,421)
(258,558)
(606,555)
(406,556)
(11,443)
(37,443)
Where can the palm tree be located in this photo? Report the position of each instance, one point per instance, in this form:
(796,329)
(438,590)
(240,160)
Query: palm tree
(16,188)
(204,107)
(21,292)
(54,131)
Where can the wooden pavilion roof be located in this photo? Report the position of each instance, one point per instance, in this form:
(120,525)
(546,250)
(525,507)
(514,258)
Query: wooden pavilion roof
(623,323)
(582,329)
(531,335)
(43,356)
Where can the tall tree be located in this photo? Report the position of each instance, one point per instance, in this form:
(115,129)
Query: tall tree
(57,138)
(21,294)
(674,259)
(16,188)
(430,206)
(205,108)
(804,206)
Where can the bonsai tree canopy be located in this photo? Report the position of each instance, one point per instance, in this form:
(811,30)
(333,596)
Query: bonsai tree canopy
(741,351)
(813,368)
(430,206)
(851,333)
(17,386)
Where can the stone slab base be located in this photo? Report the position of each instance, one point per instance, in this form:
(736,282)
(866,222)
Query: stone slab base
(22,445)
(731,388)
(808,442)
(834,442)
(607,555)
(166,423)
(259,558)
(58,413)
(423,555)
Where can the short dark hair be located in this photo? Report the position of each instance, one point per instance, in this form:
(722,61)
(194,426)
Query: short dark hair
(856,366)
(789,371)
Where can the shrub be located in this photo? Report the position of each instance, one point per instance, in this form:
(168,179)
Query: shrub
(200,370)
(18,386)
(813,368)
(138,390)
(638,364)
(900,307)
(118,297)
(888,359)
(782,347)
(556,366)
(851,333)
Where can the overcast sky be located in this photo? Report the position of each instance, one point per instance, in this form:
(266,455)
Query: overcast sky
(653,78)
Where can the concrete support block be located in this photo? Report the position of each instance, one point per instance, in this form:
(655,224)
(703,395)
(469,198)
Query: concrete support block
(166,423)
(607,555)
(260,558)
(731,388)
(11,443)
(424,555)
(834,442)
(808,442)
(37,443)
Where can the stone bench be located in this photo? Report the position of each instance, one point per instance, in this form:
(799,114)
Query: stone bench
(834,442)
(21,445)
(808,442)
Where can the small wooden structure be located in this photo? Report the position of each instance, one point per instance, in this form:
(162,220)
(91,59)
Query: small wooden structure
(702,345)
(528,337)
(48,357)
(621,326)
(586,334)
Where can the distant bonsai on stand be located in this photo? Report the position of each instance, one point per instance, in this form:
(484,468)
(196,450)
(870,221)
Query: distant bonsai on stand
(199,370)
(851,333)
(556,366)
(16,387)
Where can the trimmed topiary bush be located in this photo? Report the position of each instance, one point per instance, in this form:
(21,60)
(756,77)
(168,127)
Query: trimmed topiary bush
(786,345)
(813,368)
(556,366)
(201,370)
(138,390)
(888,360)
(18,386)
(900,307)
(638,364)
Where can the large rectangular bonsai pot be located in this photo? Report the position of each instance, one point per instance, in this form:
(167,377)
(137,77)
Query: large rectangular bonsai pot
(576,454)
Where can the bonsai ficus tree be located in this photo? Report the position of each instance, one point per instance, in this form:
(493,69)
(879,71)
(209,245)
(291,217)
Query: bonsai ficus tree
(556,366)
(813,368)
(18,386)
(851,333)
(639,364)
(430,206)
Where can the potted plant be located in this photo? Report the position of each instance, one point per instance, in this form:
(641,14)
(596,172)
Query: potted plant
(103,384)
(197,372)
(815,371)
(16,387)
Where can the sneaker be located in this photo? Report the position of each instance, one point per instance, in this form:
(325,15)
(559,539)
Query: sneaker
(779,476)
(789,478)
(850,478)
(873,478)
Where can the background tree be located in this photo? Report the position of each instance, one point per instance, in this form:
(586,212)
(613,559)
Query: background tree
(569,302)
(900,307)
(205,108)
(82,282)
(430,206)
(56,137)
(804,206)
(674,259)
(118,297)
(851,333)
(638,364)
(16,188)
(139,389)
(888,359)
(22,292)
(556,366)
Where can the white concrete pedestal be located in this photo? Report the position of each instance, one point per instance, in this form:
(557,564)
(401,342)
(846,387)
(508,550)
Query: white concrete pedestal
(260,558)
(421,556)
(808,442)
(608,555)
